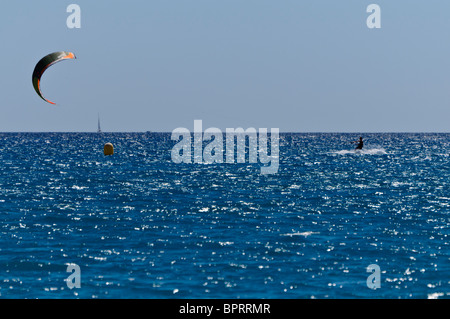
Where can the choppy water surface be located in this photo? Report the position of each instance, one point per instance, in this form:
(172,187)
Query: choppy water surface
(141,226)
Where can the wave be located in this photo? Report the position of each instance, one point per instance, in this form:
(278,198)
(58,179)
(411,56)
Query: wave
(369,151)
(305,234)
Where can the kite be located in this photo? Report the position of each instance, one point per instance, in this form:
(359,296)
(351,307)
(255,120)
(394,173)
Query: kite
(44,64)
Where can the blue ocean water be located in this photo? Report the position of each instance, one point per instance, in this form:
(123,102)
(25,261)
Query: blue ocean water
(140,226)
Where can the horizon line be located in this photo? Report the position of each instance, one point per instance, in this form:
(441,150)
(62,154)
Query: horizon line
(281,132)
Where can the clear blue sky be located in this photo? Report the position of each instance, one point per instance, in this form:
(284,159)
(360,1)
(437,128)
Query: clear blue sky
(297,65)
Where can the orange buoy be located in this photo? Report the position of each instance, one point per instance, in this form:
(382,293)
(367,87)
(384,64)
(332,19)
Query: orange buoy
(108,149)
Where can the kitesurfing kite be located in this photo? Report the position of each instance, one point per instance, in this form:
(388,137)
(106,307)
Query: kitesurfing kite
(43,65)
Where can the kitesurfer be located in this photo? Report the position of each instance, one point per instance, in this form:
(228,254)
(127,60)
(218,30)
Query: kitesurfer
(360,144)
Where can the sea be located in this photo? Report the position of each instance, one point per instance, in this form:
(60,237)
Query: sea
(331,223)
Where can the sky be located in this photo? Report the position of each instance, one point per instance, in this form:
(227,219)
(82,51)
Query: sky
(296,65)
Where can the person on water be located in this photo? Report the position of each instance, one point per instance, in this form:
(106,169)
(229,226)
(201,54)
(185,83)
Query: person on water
(360,144)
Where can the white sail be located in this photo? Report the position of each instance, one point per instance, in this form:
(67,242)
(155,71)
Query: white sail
(99,130)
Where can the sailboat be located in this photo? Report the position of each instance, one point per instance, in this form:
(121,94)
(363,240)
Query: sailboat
(99,130)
